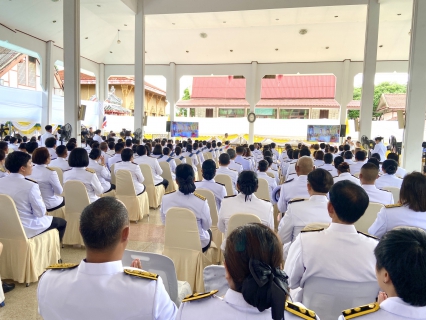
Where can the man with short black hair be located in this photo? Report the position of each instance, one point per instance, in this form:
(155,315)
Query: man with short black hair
(61,161)
(304,152)
(128,164)
(224,162)
(153,164)
(232,164)
(338,252)
(380,148)
(262,168)
(51,147)
(117,156)
(401,172)
(348,155)
(361,158)
(31,146)
(97,137)
(129,143)
(47,134)
(368,176)
(328,166)
(246,164)
(111,147)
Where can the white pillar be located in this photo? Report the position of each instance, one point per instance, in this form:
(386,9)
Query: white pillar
(369,71)
(172,91)
(100,92)
(346,90)
(139,65)
(416,91)
(72,100)
(253,95)
(48,86)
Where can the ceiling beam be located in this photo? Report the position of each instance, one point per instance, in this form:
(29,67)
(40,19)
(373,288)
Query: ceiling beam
(197,6)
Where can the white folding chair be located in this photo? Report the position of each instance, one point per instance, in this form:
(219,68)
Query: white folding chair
(227,181)
(241,219)
(395,192)
(113,181)
(214,279)
(263,190)
(167,174)
(164,267)
(368,217)
(155,193)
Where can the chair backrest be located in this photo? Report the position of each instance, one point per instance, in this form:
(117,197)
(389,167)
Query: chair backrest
(60,174)
(329,297)
(240,219)
(207,155)
(156,263)
(189,160)
(76,195)
(124,183)
(214,279)
(263,190)
(226,180)
(368,217)
(395,192)
(270,174)
(178,162)
(212,204)
(147,174)
(113,179)
(10,226)
(167,172)
(181,229)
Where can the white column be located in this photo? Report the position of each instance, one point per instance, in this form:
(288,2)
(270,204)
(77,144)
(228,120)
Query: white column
(253,95)
(139,65)
(369,72)
(72,100)
(48,86)
(346,90)
(172,90)
(100,92)
(416,91)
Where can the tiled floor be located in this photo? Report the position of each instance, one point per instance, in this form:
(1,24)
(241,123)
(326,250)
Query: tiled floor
(147,235)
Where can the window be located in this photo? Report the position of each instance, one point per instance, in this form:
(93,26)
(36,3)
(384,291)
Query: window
(294,114)
(32,72)
(324,114)
(266,113)
(209,113)
(22,73)
(231,113)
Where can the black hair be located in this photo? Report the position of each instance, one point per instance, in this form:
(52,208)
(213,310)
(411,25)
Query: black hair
(239,149)
(348,155)
(128,143)
(166,151)
(273,145)
(185,176)
(247,183)
(195,146)
(304,152)
(377,156)
(263,165)
(31,146)
(78,158)
(374,161)
(118,147)
(360,155)
(71,146)
(126,154)
(270,161)
(346,147)
(348,200)
(209,169)
(296,153)
(209,145)
(4,146)
(178,150)
(390,166)
(141,150)
(402,253)
(322,145)
(328,158)
(393,156)
(111,145)
(50,142)
(61,150)
(320,180)
(337,161)
(95,153)
(189,147)
(224,159)
(48,127)
(101,223)
(2,155)
(16,160)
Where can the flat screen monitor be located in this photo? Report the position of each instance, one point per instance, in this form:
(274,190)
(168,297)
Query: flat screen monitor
(323,133)
(184,129)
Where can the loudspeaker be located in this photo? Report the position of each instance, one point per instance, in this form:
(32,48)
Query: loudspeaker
(81,112)
(356,125)
(342,130)
(401,119)
(145,121)
(168,124)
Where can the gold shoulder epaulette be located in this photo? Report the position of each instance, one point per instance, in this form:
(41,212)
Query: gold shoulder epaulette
(396,205)
(198,296)
(199,196)
(265,200)
(141,274)
(355,176)
(313,230)
(221,184)
(2,169)
(360,311)
(62,266)
(90,170)
(296,200)
(368,235)
(171,192)
(287,181)
(50,169)
(299,311)
(231,196)
(31,180)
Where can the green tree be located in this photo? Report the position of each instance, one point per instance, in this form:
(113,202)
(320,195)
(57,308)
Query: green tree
(384,87)
(186,95)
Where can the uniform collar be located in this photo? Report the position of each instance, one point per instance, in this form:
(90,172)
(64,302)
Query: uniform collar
(41,165)
(302,177)
(345,174)
(98,269)
(236,299)
(211,181)
(318,198)
(16,175)
(224,168)
(345,228)
(369,187)
(396,306)
(83,168)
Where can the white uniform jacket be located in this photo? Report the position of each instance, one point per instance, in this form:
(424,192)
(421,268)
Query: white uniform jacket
(154,165)
(296,187)
(89,179)
(193,157)
(235,166)
(114,159)
(48,182)
(97,138)
(246,164)
(136,173)
(43,138)
(338,252)
(102,291)
(397,215)
(237,204)
(233,174)
(52,152)
(347,176)
(169,160)
(377,195)
(102,173)
(192,202)
(388,180)
(356,166)
(28,201)
(330,168)
(61,163)
(381,150)
(217,188)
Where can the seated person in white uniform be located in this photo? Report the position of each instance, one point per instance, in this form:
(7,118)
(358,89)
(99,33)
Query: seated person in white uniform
(410,211)
(3,171)
(51,146)
(13,143)
(224,162)
(401,172)
(153,164)
(272,167)
(186,197)
(291,171)
(61,160)
(31,146)
(388,178)
(338,252)
(380,148)
(232,164)
(97,163)
(188,153)
(117,155)
(319,159)
(97,137)
(27,197)
(368,175)
(328,166)
(46,135)
(79,161)
(360,157)
(262,167)
(301,212)
(208,170)
(343,171)
(348,156)
(245,202)
(47,179)
(104,148)
(244,162)
(100,287)
(169,160)
(198,152)
(251,250)
(401,274)
(128,164)
(178,155)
